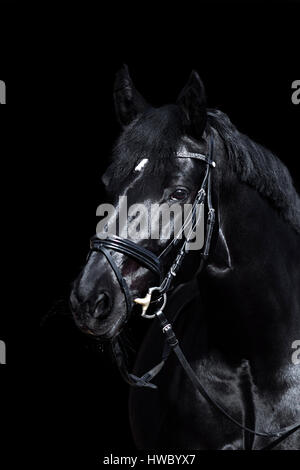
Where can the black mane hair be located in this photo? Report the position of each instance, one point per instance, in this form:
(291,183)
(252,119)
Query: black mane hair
(258,167)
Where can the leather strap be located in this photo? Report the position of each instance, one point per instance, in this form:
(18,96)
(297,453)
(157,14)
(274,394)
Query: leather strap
(172,340)
(129,248)
(120,278)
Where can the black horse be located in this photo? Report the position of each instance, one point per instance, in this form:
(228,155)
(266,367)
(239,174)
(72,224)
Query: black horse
(237,317)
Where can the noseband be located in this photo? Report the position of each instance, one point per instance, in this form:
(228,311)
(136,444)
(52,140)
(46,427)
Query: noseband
(144,257)
(154,264)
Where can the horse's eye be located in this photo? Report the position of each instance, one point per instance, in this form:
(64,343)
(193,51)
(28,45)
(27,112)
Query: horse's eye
(179,195)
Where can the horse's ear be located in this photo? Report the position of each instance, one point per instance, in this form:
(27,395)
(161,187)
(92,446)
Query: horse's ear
(192,101)
(129,103)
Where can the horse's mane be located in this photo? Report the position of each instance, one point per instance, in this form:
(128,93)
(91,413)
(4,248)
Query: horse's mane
(258,167)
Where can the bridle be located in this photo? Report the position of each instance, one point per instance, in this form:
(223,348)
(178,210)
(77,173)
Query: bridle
(147,258)
(154,264)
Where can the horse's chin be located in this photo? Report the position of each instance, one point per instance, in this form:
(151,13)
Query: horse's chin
(105,331)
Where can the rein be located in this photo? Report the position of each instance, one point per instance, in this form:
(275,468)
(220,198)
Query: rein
(152,262)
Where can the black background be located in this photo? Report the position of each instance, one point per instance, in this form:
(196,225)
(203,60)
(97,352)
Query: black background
(61,395)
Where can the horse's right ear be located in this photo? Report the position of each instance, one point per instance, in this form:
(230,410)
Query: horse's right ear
(192,101)
(129,103)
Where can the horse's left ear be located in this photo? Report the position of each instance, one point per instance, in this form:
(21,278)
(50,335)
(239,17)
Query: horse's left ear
(192,101)
(129,103)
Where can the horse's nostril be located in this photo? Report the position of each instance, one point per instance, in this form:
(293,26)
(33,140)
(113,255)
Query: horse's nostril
(102,306)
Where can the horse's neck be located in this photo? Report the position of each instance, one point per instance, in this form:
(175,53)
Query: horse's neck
(252,279)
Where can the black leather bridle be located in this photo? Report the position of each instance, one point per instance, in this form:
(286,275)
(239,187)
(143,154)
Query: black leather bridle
(146,257)
(152,262)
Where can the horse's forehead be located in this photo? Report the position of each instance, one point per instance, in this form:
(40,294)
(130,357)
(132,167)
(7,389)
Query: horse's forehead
(156,166)
(139,167)
(186,147)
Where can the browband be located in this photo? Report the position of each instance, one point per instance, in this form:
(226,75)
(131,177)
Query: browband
(183,153)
